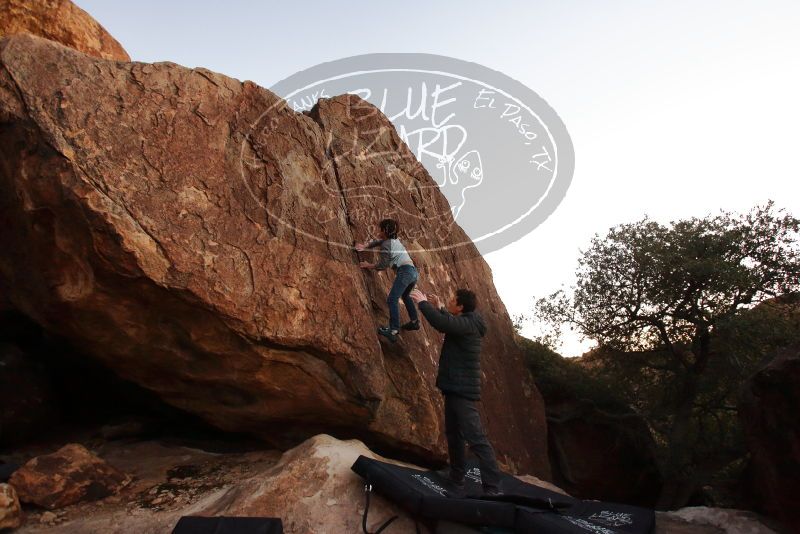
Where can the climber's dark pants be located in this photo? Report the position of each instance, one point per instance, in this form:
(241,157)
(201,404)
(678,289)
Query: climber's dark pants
(462,423)
(404,282)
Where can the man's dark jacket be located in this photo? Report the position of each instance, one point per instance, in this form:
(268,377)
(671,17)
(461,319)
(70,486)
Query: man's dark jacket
(460,360)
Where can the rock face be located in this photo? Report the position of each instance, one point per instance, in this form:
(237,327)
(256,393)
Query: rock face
(10,512)
(599,447)
(69,475)
(599,455)
(60,21)
(771,423)
(195,235)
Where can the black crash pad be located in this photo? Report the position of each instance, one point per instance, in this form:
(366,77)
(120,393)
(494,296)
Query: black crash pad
(523,508)
(228,525)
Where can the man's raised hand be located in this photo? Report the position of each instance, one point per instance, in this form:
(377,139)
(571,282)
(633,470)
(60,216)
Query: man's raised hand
(417,296)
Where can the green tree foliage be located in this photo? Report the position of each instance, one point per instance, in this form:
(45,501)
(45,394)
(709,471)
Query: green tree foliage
(559,378)
(675,312)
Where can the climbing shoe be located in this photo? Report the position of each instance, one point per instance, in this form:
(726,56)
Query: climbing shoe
(387,332)
(411,325)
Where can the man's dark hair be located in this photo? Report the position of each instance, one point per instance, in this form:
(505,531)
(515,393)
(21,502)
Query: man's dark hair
(390,227)
(466,298)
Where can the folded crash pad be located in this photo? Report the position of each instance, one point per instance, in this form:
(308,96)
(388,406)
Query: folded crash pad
(522,508)
(228,525)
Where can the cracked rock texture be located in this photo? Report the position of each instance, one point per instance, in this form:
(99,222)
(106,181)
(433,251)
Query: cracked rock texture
(193,234)
(60,21)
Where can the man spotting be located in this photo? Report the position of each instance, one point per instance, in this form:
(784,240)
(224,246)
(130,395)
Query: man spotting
(459,379)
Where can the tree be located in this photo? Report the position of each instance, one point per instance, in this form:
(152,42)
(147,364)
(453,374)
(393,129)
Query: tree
(657,299)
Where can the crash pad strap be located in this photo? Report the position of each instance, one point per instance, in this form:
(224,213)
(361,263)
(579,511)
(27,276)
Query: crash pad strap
(367,493)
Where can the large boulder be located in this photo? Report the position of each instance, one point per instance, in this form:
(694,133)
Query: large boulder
(60,21)
(771,422)
(195,235)
(69,475)
(313,489)
(598,454)
(599,447)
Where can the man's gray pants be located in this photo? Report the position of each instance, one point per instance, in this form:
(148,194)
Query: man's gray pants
(462,424)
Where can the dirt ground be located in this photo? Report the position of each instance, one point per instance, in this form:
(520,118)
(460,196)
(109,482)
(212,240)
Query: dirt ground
(169,480)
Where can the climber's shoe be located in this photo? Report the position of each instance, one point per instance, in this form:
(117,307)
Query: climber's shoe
(411,325)
(390,334)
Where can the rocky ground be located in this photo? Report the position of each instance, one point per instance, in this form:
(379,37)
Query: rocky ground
(169,478)
(310,487)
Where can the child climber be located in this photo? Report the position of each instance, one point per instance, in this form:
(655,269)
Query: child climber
(394,254)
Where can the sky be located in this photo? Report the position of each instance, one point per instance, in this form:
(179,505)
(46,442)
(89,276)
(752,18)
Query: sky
(675,109)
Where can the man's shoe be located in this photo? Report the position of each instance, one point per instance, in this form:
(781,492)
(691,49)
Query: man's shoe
(447,475)
(411,325)
(387,332)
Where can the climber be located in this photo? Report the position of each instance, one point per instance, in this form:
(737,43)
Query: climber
(459,379)
(394,254)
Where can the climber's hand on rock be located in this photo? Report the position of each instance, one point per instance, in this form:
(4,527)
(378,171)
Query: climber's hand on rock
(361,247)
(417,296)
(435,301)
(365,265)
